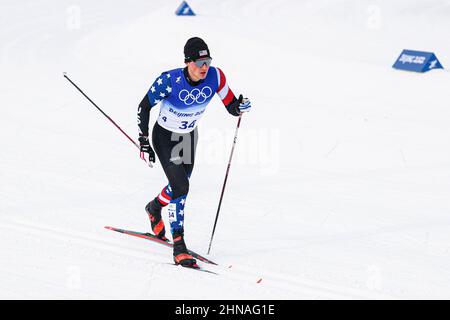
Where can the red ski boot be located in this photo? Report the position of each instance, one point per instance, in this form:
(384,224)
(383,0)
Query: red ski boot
(153,209)
(181,254)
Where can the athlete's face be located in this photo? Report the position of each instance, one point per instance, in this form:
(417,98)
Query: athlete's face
(197,73)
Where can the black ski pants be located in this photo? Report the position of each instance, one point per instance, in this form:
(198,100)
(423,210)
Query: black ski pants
(176,153)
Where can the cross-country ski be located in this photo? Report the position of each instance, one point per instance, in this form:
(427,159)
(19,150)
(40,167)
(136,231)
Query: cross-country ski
(154,238)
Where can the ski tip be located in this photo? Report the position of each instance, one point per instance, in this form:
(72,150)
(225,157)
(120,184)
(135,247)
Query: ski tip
(109,228)
(202,259)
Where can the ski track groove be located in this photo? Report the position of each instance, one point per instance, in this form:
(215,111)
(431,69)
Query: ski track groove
(238,273)
(74,237)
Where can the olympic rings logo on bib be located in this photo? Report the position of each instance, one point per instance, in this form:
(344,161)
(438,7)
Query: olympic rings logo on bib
(196,95)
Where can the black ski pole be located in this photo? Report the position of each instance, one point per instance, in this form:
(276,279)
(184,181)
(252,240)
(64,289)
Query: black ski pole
(225,181)
(108,117)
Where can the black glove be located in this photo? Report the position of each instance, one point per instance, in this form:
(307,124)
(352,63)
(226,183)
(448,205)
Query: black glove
(146,148)
(239,106)
(244,105)
(233,107)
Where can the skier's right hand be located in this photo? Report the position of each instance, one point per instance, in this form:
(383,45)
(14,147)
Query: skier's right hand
(244,104)
(146,148)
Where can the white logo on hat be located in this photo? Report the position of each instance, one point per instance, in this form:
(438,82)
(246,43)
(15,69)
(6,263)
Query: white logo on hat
(203,53)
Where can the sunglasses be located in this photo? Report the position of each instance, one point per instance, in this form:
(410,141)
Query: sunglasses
(200,62)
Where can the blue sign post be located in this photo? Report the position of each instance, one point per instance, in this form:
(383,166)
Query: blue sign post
(417,61)
(184,10)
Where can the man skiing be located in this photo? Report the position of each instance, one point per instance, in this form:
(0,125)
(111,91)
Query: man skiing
(184,94)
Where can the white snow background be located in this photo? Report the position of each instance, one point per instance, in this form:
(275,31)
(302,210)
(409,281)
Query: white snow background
(340,184)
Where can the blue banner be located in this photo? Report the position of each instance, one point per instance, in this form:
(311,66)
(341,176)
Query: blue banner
(184,10)
(418,61)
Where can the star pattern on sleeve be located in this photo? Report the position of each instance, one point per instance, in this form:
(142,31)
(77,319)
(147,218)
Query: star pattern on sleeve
(160,89)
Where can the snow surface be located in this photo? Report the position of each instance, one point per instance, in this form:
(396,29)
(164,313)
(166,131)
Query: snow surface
(340,184)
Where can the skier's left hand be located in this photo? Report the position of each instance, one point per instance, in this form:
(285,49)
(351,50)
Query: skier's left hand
(145,148)
(244,105)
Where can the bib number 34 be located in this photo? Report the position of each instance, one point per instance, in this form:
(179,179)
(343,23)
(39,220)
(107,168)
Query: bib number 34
(185,124)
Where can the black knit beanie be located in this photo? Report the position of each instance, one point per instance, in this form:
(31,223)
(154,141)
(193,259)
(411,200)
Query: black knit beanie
(195,48)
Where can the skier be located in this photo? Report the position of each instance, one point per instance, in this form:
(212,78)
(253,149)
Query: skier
(184,94)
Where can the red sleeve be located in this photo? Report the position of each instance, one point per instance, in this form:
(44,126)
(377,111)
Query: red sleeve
(224,92)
